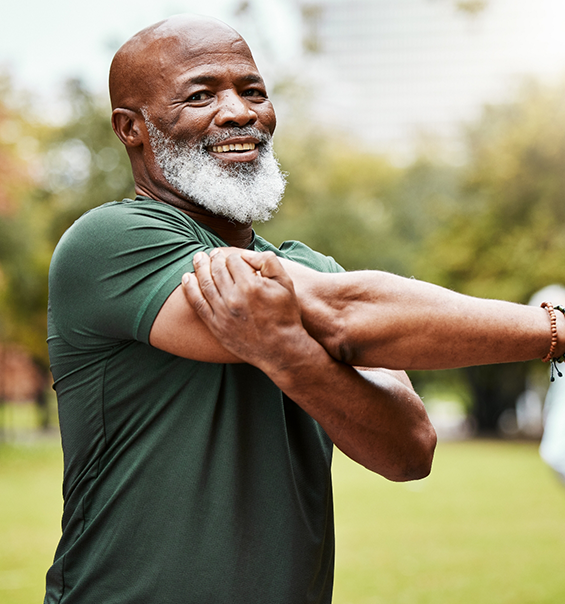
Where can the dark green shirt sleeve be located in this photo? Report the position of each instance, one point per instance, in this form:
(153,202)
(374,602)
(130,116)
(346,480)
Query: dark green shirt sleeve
(115,267)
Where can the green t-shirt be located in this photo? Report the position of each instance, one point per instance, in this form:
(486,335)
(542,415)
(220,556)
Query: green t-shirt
(185,482)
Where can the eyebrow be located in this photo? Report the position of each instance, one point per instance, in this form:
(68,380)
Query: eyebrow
(210,79)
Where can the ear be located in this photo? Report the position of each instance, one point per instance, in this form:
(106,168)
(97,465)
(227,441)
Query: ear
(127,126)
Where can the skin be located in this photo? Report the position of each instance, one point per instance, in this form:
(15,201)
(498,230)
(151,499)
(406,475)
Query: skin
(374,416)
(196,77)
(377,319)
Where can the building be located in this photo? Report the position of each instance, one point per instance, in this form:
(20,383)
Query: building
(392,72)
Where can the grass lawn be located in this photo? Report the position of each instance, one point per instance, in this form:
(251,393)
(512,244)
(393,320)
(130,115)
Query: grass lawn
(30,517)
(487,527)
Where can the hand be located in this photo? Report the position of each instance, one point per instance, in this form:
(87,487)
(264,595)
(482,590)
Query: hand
(249,305)
(247,301)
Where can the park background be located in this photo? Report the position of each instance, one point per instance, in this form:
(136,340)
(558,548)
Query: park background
(423,137)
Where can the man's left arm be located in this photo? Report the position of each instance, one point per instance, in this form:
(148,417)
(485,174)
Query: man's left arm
(375,417)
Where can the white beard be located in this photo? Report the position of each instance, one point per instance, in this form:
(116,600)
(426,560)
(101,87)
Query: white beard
(244,191)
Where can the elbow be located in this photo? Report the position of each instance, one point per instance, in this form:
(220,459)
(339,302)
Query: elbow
(414,462)
(410,457)
(418,463)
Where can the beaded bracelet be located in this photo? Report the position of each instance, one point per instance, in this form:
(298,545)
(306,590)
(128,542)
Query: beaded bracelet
(553,319)
(549,357)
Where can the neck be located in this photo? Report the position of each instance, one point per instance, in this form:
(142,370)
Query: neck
(234,233)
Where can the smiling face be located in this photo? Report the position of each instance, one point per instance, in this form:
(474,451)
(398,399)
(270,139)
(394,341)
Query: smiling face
(241,191)
(192,92)
(195,78)
(209,92)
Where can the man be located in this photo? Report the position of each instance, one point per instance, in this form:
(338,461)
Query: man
(198,421)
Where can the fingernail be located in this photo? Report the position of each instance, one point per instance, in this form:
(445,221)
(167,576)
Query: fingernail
(198,258)
(214,252)
(186,278)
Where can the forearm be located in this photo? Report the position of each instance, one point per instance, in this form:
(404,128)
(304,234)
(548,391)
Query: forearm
(373,318)
(378,420)
(374,417)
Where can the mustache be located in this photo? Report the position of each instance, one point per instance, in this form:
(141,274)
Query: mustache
(228,133)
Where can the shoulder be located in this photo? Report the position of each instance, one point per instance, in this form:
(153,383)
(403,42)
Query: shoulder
(120,225)
(115,266)
(103,221)
(301,253)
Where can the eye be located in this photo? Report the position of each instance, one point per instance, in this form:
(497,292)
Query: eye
(199,97)
(254,92)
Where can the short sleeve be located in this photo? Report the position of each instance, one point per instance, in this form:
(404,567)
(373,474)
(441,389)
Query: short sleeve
(301,253)
(115,267)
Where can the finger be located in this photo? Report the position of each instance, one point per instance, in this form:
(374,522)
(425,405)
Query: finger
(252,258)
(220,273)
(203,274)
(241,271)
(221,250)
(259,260)
(270,267)
(195,298)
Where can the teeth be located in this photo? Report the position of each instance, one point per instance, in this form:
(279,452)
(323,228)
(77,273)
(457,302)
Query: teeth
(232,147)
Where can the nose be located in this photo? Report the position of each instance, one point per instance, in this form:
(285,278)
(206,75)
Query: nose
(234,110)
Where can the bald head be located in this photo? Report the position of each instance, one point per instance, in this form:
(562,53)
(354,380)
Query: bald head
(140,65)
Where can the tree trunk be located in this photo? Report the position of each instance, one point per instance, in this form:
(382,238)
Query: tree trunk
(494,389)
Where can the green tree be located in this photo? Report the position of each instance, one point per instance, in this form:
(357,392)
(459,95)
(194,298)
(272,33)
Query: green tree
(336,199)
(355,205)
(85,163)
(505,236)
(23,255)
(48,177)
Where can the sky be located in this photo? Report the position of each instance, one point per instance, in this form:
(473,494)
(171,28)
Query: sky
(43,43)
(420,67)
(429,65)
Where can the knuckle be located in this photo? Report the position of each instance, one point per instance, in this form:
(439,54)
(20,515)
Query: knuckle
(270,257)
(201,308)
(235,305)
(207,286)
(232,259)
(218,266)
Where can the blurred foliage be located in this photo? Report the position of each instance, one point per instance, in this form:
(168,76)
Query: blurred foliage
(471,7)
(357,206)
(337,199)
(85,163)
(506,235)
(24,256)
(492,227)
(49,175)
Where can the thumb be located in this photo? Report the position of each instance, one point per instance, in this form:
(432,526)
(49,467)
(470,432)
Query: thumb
(266,263)
(269,265)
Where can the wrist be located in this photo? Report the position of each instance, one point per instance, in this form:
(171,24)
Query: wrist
(297,363)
